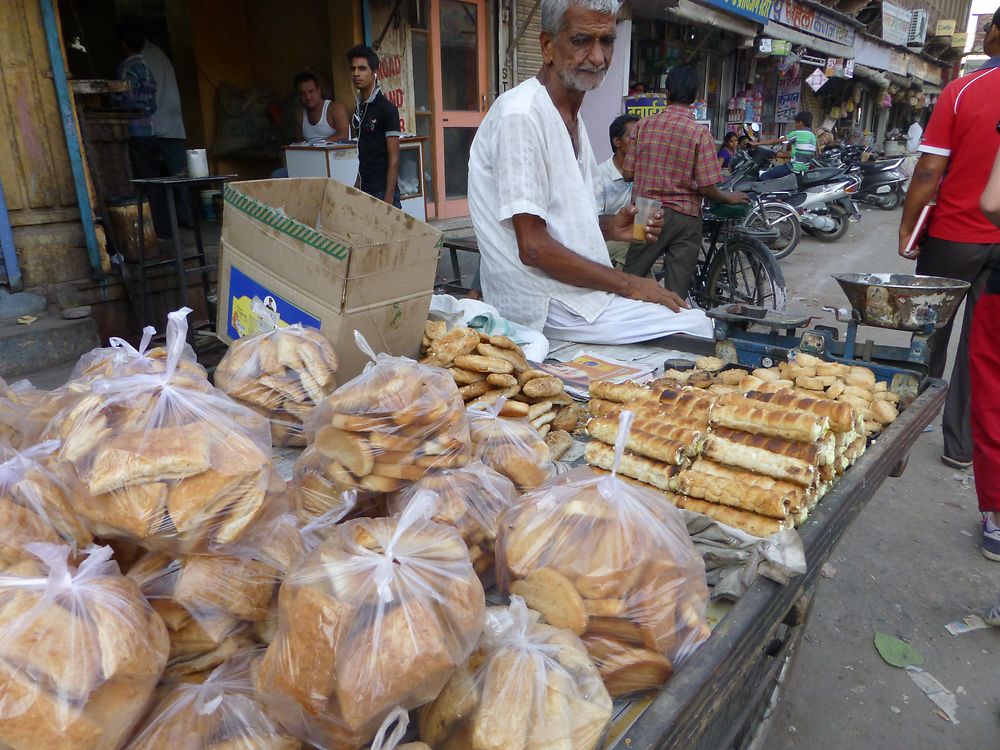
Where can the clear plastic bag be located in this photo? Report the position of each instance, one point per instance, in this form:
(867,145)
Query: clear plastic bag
(169,462)
(81,652)
(16,403)
(374,619)
(36,502)
(510,446)
(121,359)
(388,426)
(612,562)
(470,498)
(282,374)
(224,712)
(315,490)
(527,686)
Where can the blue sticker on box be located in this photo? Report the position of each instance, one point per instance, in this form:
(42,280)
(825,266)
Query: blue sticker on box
(253,308)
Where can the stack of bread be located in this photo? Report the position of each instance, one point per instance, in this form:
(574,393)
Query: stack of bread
(510,446)
(470,499)
(610,562)
(488,368)
(224,712)
(380,432)
(377,617)
(80,652)
(281,374)
(527,686)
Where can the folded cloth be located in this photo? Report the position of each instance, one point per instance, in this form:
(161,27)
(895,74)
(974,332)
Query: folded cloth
(475,314)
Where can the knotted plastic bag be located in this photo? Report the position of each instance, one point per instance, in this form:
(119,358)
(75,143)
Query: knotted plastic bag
(36,502)
(80,652)
(612,562)
(527,686)
(374,619)
(224,712)
(386,428)
(120,359)
(510,446)
(282,374)
(470,498)
(170,462)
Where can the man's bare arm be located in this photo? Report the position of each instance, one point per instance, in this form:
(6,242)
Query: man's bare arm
(336,118)
(538,249)
(923,185)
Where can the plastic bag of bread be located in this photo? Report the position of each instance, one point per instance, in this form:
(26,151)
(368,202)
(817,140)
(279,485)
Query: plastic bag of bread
(470,498)
(80,652)
(612,562)
(389,426)
(120,359)
(36,502)
(510,446)
(527,686)
(16,403)
(282,374)
(317,490)
(222,713)
(374,619)
(170,462)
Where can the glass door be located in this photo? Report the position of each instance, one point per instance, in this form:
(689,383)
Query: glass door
(460,85)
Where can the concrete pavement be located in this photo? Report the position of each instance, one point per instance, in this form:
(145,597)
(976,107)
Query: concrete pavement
(908,566)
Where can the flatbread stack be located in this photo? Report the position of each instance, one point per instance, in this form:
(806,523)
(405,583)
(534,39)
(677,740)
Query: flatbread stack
(527,686)
(385,429)
(668,432)
(222,713)
(612,563)
(377,617)
(80,652)
(471,499)
(281,374)
(488,368)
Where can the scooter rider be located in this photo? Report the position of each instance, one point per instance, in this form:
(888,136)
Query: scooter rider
(802,142)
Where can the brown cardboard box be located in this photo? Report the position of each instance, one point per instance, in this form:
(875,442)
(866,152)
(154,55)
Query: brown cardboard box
(317,252)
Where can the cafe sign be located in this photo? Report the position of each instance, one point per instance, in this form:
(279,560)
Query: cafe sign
(804,18)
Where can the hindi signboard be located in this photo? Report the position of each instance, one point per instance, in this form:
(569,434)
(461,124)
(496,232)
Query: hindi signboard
(804,18)
(895,23)
(787,103)
(755,10)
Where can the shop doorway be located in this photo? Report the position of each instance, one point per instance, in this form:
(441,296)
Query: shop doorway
(459,79)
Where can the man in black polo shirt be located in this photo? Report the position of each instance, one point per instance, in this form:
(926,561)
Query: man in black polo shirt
(376,126)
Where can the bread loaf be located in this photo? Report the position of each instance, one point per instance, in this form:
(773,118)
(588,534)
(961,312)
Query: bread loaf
(760,460)
(739,413)
(707,480)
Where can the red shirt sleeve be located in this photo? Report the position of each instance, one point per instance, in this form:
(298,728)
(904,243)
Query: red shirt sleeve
(937,137)
(706,164)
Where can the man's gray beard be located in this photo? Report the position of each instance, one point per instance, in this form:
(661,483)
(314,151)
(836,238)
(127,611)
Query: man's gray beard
(573,83)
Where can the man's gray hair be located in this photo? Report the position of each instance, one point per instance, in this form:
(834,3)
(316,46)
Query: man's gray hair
(554,11)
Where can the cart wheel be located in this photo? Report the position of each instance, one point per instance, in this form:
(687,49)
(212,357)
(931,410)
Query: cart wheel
(898,469)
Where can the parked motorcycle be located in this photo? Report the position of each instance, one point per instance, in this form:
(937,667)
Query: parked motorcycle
(766,214)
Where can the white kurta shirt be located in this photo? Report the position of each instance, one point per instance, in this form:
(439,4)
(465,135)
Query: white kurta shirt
(611,192)
(522,162)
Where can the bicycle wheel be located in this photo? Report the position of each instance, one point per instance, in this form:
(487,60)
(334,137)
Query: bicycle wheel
(782,217)
(744,271)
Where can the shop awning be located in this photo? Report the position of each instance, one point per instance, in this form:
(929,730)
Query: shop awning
(871,75)
(691,11)
(831,49)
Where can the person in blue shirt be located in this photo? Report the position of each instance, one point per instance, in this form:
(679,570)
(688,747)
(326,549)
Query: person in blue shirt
(728,150)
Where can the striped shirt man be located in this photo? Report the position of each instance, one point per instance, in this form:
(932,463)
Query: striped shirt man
(141,96)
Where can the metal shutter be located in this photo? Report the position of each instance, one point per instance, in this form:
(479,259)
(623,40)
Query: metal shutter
(528,54)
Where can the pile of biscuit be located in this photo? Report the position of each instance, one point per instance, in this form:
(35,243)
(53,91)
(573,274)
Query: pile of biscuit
(757,457)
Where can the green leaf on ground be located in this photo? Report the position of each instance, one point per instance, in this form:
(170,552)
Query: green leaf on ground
(897,652)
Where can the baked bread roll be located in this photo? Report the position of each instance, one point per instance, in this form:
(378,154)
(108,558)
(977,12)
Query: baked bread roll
(378,616)
(840,415)
(511,447)
(224,712)
(508,696)
(621,393)
(385,429)
(760,417)
(470,499)
(655,473)
(80,652)
(173,465)
(282,374)
(739,488)
(627,555)
(758,459)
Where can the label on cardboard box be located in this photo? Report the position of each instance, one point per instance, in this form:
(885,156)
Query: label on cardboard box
(244,321)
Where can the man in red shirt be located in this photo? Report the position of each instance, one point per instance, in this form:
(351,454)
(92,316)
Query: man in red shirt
(956,155)
(671,158)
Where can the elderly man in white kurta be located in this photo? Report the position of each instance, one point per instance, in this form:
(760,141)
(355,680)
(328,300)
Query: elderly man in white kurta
(544,259)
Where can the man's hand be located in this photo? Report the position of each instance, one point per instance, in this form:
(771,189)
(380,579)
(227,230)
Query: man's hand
(736,198)
(651,290)
(623,223)
(904,239)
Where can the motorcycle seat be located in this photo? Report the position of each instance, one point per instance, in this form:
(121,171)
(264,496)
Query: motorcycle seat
(796,200)
(818,176)
(777,185)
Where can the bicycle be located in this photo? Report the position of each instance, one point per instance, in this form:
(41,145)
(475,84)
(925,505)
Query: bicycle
(735,265)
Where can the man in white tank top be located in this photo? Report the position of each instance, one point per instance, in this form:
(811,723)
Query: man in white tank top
(322,119)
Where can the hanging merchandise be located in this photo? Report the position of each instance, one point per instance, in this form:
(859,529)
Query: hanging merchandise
(817,80)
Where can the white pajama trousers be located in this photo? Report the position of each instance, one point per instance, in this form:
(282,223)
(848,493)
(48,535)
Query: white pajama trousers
(625,321)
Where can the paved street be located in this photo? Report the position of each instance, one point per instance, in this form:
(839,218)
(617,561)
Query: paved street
(909,565)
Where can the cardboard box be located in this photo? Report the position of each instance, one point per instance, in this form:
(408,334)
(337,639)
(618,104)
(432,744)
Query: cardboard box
(317,252)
